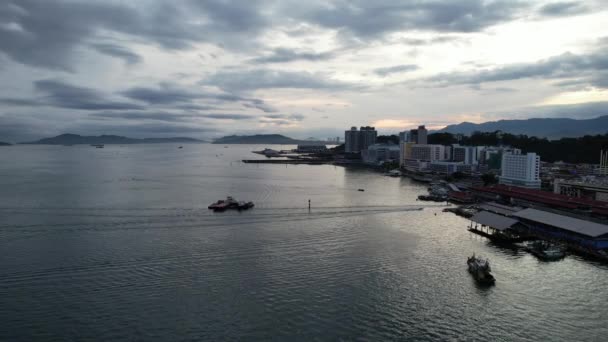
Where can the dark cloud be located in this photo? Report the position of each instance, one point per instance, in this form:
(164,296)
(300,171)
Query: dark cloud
(139,129)
(431,41)
(163,95)
(247,80)
(20,102)
(395,69)
(168,94)
(587,110)
(168,116)
(283,55)
(370,19)
(46,33)
(566,8)
(281,119)
(64,95)
(292,117)
(117,51)
(589,69)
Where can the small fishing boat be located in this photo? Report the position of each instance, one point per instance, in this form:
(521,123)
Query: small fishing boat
(480,269)
(230,203)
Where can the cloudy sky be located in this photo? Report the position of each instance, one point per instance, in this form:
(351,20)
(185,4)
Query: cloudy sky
(303,68)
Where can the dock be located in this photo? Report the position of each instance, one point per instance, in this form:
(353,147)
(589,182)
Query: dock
(288,161)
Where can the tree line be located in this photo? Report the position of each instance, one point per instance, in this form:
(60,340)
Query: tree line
(584,149)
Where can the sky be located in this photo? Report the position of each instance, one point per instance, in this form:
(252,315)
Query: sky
(206,69)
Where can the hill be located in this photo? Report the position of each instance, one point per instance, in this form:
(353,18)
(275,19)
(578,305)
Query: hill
(543,128)
(75,139)
(269,139)
(2,143)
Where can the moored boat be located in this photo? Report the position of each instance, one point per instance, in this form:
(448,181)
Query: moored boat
(546,251)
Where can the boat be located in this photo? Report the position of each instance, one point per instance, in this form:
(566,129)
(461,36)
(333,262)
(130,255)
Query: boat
(361,190)
(230,203)
(181,147)
(545,250)
(245,205)
(433,198)
(394,173)
(480,269)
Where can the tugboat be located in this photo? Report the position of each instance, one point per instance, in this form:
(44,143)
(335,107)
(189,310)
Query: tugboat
(480,269)
(230,203)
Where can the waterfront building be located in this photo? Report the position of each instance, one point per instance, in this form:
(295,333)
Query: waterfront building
(357,140)
(521,170)
(449,167)
(427,152)
(534,198)
(405,151)
(380,153)
(492,156)
(414,165)
(311,148)
(580,232)
(586,187)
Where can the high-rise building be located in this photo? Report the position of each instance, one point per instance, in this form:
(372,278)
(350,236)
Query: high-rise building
(351,140)
(367,137)
(465,154)
(356,141)
(521,170)
(419,135)
(404,137)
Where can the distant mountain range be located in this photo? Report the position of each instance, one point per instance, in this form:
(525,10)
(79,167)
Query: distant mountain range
(269,139)
(75,139)
(2,143)
(548,128)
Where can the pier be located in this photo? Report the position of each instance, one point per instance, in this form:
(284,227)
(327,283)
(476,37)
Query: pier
(288,161)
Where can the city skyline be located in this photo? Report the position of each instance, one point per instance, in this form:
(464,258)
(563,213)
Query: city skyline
(207,69)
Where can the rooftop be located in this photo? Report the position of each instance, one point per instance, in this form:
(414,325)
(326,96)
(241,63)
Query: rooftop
(568,223)
(492,220)
(547,198)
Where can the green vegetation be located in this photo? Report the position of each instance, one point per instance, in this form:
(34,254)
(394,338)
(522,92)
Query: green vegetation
(571,150)
(489,179)
(387,139)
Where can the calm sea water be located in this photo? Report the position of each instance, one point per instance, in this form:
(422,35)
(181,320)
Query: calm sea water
(117,244)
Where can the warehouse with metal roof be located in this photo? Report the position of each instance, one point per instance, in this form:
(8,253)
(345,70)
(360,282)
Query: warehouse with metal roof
(584,232)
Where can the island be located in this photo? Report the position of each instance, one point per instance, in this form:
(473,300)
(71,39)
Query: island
(75,139)
(2,143)
(267,139)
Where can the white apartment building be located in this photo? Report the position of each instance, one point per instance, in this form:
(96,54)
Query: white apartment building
(427,152)
(378,153)
(521,170)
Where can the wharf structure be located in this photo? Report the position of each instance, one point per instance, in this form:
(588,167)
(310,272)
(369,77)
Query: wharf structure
(535,198)
(515,224)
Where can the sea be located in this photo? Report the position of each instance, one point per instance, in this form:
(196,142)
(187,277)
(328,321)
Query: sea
(117,244)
